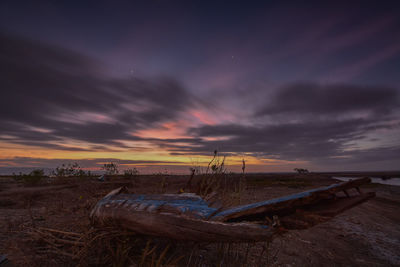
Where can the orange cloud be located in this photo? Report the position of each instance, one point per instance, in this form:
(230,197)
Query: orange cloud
(167,130)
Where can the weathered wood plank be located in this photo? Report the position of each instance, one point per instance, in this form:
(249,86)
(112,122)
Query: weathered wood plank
(179,227)
(291,201)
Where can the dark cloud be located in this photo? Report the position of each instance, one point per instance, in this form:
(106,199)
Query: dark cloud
(287,141)
(380,158)
(320,124)
(331,99)
(329,143)
(56,98)
(51,93)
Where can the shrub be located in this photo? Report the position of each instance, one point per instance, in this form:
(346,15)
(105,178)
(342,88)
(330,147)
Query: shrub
(34,177)
(301,171)
(133,172)
(70,169)
(110,168)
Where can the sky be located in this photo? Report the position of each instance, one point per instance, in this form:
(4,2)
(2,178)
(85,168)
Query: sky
(159,85)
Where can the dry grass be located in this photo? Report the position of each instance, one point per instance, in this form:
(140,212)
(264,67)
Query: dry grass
(216,184)
(115,247)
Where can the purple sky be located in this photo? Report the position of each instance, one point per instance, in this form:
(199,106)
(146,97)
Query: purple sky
(282,83)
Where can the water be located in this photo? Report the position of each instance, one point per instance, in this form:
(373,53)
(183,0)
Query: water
(376,180)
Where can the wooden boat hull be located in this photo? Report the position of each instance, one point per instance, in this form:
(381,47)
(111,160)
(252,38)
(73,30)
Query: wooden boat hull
(188,217)
(180,217)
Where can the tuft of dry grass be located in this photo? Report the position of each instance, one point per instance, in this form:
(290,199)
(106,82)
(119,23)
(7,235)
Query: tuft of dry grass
(216,184)
(107,246)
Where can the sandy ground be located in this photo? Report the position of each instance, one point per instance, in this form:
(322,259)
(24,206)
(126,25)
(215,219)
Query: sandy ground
(367,235)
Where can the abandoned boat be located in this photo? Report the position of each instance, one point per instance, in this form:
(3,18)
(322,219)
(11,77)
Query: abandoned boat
(189,217)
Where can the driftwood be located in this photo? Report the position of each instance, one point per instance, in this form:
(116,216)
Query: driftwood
(188,216)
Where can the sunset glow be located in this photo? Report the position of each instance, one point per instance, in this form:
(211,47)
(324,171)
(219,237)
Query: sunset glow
(281,86)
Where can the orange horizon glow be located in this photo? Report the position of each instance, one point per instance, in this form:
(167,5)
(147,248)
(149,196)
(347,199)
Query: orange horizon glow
(161,158)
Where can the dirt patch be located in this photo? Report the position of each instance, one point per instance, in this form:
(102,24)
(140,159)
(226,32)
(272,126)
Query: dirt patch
(367,235)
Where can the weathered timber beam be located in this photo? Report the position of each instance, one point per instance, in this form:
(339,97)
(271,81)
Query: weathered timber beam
(286,202)
(180,227)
